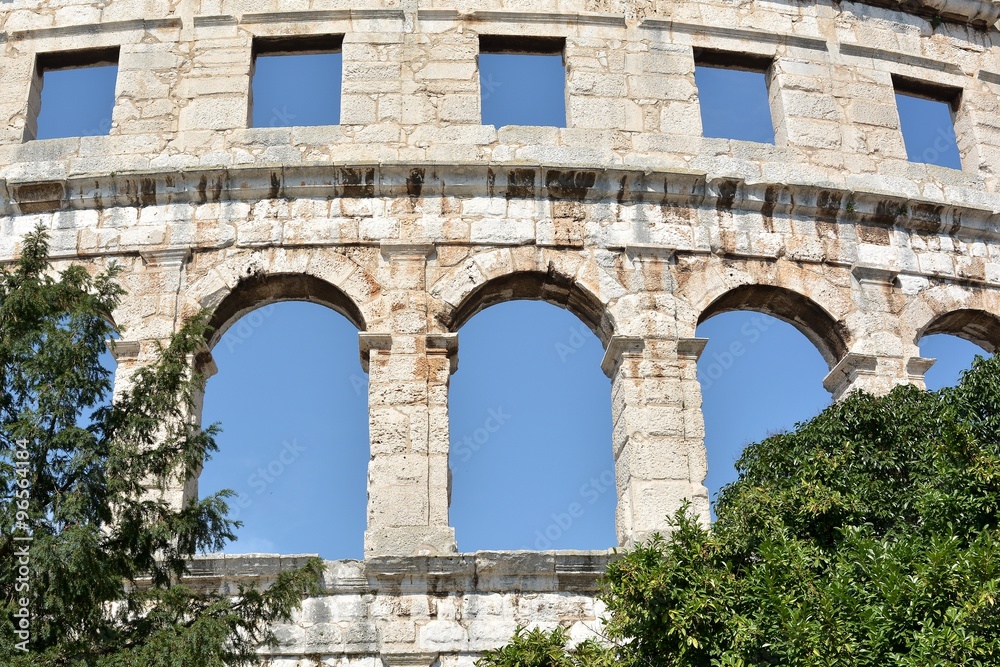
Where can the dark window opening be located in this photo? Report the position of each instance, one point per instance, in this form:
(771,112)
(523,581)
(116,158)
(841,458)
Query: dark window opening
(927,121)
(522,80)
(72,94)
(733,96)
(296,81)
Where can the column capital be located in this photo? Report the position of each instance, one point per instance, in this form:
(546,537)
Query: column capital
(691,348)
(636,252)
(916,370)
(447,344)
(620,347)
(847,370)
(167,258)
(409,659)
(406,250)
(870,274)
(123,350)
(368,341)
(204,362)
(436,343)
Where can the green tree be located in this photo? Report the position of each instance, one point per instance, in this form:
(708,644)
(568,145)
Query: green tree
(102,582)
(866,537)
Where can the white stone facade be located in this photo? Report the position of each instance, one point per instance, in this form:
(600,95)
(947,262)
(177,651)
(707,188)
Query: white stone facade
(410,216)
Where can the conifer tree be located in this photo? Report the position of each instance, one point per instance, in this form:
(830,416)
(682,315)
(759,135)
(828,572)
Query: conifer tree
(92,565)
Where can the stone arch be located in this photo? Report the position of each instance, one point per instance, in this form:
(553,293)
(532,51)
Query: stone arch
(816,301)
(260,290)
(974,325)
(562,279)
(246,282)
(829,335)
(971,314)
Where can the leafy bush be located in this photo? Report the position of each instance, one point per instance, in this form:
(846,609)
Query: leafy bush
(538,648)
(867,537)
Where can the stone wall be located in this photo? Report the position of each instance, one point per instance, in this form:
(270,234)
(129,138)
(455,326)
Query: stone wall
(410,216)
(410,611)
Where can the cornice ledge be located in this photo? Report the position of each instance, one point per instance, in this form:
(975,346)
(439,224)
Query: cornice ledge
(576,182)
(618,348)
(852,365)
(977,13)
(368,341)
(584,18)
(96,28)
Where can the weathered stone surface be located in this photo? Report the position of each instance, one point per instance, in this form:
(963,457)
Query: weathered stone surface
(410,217)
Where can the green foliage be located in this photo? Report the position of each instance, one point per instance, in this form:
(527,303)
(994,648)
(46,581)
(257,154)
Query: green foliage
(867,537)
(538,648)
(107,558)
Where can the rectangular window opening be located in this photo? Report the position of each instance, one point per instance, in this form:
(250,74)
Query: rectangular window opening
(733,95)
(296,81)
(522,80)
(72,94)
(927,121)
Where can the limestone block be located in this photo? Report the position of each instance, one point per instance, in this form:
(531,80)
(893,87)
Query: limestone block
(214,113)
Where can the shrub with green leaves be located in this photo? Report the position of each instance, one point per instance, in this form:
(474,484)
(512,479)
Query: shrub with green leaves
(866,537)
(537,648)
(104,577)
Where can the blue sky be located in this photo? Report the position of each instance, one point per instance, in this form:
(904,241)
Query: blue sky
(292,398)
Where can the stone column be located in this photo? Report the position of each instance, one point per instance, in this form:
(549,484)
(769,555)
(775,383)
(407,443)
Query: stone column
(880,358)
(875,374)
(659,432)
(409,370)
(132,356)
(149,316)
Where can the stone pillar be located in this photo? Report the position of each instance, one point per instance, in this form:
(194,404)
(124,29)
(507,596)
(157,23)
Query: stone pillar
(875,374)
(409,370)
(149,316)
(659,432)
(881,358)
(408,475)
(131,356)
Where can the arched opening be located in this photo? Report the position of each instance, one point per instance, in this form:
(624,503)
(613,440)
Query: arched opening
(261,289)
(530,421)
(292,402)
(552,287)
(762,370)
(827,334)
(109,365)
(953,340)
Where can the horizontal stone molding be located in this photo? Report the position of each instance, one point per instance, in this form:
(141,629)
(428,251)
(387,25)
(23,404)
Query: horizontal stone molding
(677,187)
(320,16)
(482,572)
(91,29)
(728,32)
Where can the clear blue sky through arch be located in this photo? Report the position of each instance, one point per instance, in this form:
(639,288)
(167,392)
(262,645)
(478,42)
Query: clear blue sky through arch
(544,477)
(296,380)
(293,404)
(759,375)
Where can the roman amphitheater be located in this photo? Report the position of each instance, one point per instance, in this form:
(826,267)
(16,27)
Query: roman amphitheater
(411,216)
